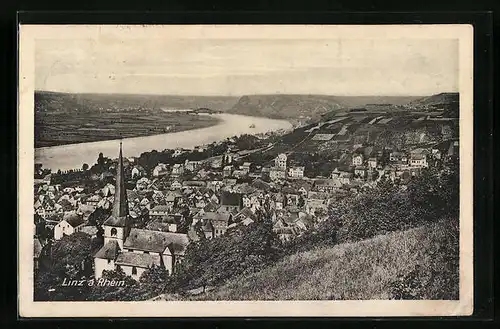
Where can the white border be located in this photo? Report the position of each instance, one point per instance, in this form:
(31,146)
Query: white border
(28,308)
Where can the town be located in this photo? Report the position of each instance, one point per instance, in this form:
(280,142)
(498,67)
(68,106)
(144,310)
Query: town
(148,216)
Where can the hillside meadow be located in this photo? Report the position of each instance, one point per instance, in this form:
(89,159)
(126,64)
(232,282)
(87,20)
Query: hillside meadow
(420,263)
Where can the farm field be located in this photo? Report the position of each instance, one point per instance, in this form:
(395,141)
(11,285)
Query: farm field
(70,119)
(65,128)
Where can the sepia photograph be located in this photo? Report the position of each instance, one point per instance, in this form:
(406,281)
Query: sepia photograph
(245,170)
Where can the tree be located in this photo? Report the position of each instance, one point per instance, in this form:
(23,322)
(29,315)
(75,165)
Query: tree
(242,249)
(68,259)
(129,291)
(154,280)
(70,255)
(100,160)
(85,167)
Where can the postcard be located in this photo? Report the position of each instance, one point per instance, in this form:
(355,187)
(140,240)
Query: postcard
(245,170)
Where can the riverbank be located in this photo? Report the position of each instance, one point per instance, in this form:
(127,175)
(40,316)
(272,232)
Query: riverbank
(73,156)
(63,128)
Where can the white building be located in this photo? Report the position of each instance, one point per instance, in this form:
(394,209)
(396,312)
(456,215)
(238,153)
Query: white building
(372,163)
(177,169)
(280,161)
(357,159)
(192,165)
(70,224)
(296,172)
(418,160)
(277,174)
(160,170)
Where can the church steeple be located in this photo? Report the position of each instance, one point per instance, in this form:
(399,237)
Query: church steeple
(120,203)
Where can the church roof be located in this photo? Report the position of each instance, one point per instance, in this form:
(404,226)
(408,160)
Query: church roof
(108,251)
(138,260)
(155,241)
(120,203)
(116,221)
(120,210)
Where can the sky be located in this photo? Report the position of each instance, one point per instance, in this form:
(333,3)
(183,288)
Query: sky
(233,67)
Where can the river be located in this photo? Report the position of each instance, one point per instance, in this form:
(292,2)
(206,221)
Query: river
(73,156)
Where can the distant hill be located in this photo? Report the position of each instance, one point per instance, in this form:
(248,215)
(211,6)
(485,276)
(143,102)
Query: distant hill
(369,269)
(286,106)
(68,101)
(438,99)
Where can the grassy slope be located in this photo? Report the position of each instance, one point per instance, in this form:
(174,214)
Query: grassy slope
(361,270)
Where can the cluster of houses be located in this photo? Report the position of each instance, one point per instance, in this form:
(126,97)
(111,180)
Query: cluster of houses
(212,201)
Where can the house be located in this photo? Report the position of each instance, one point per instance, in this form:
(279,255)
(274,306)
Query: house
(372,162)
(214,185)
(276,173)
(167,223)
(296,172)
(357,159)
(135,250)
(208,229)
(360,172)
(280,161)
(418,160)
(194,184)
(221,222)
(231,201)
(246,166)
(227,171)
(229,181)
(175,185)
(179,152)
(192,165)
(108,190)
(279,201)
(240,173)
(284,233)
(71,223)
(214,223)
(317,201)
(345,178)
(245,216)
(138,172)
(177,169)
(398,157)
(159,211)
(436,153)
(161,169)
(327,185)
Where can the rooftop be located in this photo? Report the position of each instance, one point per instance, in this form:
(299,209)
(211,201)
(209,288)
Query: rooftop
(147,240)
(109,251)
(138,259)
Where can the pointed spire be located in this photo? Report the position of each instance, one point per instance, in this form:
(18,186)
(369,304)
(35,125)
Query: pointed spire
(120,203)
